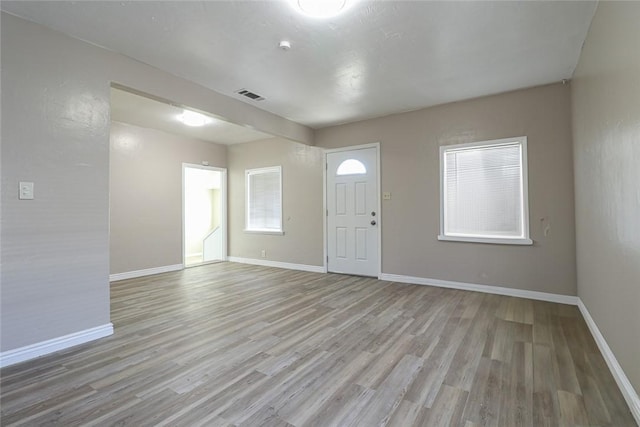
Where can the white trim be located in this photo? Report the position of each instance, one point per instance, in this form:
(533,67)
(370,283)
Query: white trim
(42,348)
(376,145)
(325,213)
(273,232)
(379,183)
(278,264)
(492,240)
(352,147)
(524,182)
(498,290)
(629,393)
(256,171)
(145,272)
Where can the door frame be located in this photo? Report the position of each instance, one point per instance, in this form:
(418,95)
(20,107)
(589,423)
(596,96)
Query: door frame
(325,236)
(223,208)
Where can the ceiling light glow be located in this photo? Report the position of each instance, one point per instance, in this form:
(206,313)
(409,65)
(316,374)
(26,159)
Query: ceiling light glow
(191,118)
(284,45)
(320,8)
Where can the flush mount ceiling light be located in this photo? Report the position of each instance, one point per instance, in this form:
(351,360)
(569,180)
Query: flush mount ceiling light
(284,45)
(320,8)
(191,118)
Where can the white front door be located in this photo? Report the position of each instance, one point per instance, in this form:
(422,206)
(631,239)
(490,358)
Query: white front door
(352,212)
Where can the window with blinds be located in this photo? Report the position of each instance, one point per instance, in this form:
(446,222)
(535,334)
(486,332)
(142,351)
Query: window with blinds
(484,192)
(264,200)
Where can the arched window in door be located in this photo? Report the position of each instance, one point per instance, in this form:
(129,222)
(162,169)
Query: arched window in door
(351,167)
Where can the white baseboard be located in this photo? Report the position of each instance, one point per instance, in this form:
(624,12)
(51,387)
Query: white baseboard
(521,293)
(278,264)
(145,272)
(629,393)
(32,351)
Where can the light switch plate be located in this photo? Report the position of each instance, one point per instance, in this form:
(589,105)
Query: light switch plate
(26,190)
(386,196)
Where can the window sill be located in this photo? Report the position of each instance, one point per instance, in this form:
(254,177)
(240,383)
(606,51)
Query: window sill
(271,232)
(495,241)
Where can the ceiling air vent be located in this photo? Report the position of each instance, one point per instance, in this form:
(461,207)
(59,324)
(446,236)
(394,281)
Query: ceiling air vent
(249,94)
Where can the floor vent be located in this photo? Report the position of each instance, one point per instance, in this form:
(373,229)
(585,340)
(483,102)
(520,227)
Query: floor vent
(249,94)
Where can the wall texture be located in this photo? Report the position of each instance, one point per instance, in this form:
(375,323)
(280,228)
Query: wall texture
(410,171)
(55,111)
(606,128)
(146,194)
(302,201)
(55,133)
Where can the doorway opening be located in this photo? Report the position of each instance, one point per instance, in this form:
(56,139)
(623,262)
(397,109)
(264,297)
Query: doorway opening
(203,214)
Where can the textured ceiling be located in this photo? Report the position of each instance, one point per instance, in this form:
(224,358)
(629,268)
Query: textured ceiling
(378,58)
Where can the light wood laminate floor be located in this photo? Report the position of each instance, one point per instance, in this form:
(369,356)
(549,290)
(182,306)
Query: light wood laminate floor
(230,344)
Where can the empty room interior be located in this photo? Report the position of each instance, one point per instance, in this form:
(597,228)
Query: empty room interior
(320,212)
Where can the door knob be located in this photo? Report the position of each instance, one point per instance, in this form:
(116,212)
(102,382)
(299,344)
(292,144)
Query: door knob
(373,222)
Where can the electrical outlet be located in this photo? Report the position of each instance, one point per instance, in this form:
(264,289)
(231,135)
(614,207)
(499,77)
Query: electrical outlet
(264,253)
(386,195)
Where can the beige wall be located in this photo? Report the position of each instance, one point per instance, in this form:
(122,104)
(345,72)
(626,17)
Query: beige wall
(146,194)
(55,117)
(55,133)
(606,127)
(302,201)
(410,171)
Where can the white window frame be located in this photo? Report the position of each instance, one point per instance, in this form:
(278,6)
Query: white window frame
(519,240)
(256,171)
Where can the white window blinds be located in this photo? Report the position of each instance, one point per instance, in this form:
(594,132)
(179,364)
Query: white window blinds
(483,191)
(264,199)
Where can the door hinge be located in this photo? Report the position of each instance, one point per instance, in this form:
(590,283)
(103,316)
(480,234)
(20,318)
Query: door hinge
(327,212)
(326,166)
(327,259)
